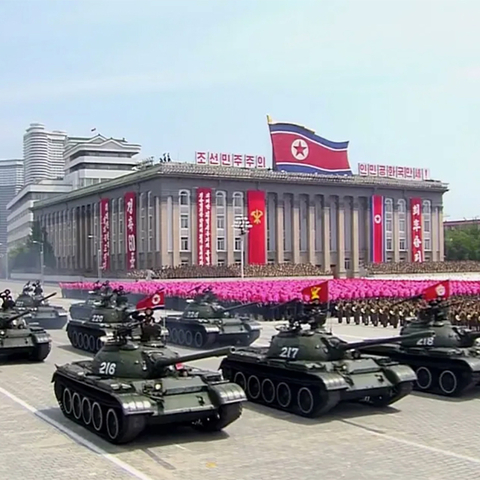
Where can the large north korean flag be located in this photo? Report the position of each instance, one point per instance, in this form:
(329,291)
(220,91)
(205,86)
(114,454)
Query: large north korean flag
(298,149)
(377,230)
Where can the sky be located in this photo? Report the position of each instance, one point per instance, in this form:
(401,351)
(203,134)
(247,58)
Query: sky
(400,80)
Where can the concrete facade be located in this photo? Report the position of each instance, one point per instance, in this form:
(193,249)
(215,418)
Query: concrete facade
(310,218)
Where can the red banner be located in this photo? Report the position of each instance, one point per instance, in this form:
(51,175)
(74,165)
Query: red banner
(377,230)
(204,226)
(130,201)
(416,225)
(105,232)
(257,238)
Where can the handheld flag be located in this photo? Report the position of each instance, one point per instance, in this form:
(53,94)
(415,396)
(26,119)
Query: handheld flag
(317,292)
(439,290)
(157,300)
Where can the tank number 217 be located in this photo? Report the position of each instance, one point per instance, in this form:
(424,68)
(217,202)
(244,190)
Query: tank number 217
(428,341)
(107,368)
(289,352)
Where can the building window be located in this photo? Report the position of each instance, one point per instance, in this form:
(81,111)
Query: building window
(184,244)
(150,221)
(114,234)
(184,262)
(185,219)
(220,244)
(238,209)
(388,224)
(221,262)
(402,225)
(427,225)
(238,244)
(143,223)
(121,233)
(220,223)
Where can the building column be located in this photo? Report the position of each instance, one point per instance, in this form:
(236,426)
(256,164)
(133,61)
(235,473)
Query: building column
(279,253)
(355,267)
(326,236)
(176,231)
(396,235)
(434,237)
(162,233)
(230,232)
(312,259)
(81,237)
(441,237)
(341,237)
(295,229)
(213,229)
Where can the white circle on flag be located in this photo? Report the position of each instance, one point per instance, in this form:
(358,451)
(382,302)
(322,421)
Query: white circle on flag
(156,299)
(377,219)
(440,291)
(299,149)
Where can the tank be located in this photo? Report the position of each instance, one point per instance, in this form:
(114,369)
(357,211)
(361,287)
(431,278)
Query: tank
(130,384)
(20,339)
(83,310)
(308,371)
(207,324)
(447,363)
(48,316)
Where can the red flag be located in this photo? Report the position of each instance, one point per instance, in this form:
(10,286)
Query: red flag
(439,290)
(157,300)
(377,231)
(257,237)
(316,292)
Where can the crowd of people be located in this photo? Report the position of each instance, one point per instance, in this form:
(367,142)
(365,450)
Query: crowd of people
(406,268)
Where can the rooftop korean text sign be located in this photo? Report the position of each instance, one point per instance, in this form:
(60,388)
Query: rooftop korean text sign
(230,160)
(388,171)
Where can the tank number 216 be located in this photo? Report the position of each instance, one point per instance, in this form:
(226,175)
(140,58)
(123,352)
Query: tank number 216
(289,352)
(428,341)
(107,368)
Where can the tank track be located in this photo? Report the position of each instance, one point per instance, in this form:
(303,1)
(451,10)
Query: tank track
(97,411)
(297,392)
(40,352)
(85,339)
(195,336)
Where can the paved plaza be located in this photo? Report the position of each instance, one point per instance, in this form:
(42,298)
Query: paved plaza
(421,437)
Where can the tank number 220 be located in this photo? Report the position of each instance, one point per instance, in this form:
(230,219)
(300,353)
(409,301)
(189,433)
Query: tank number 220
(97,318)
(289,352)
(428,341)
(108,368)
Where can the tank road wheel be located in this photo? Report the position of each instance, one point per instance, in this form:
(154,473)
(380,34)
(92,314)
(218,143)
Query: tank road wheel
(268,391)
(75,339)
(80,341)
(240,380)
(181,336)
(225,415)
(86,342)
(424,378)
(67,401)
(254,388)
(174,335)
(92,344)
(449,383)
(97,416)
(99,344)
(305,401)
(86,411)
(77,406)
(313,401)
(188,338)
(284,395)
(112,425)
(198,340)
(123,429)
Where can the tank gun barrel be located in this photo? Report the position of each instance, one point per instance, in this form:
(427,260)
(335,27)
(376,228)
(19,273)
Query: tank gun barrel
(18,315)
(238,307)
(46,297)
(372,342)
(218,352)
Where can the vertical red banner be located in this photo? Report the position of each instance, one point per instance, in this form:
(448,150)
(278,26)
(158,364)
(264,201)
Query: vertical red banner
(130,202)
(257,237)
(105,232)
(416,226)
(204,226)
(377,230)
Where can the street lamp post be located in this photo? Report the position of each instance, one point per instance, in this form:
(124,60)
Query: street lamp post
(243,225)
(99,257)
(42,259)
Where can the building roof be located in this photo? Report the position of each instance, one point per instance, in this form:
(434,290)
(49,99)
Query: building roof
(461,223)
(189,170)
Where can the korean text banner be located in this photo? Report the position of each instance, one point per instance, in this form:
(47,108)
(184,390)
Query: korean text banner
(130,202)
(105,232)
(257,240)
(377,229)
(416,226)
(204,226)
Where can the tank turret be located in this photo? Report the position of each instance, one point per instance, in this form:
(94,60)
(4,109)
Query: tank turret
(8,319)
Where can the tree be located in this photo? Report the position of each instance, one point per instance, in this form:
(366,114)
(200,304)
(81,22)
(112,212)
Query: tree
(26,257)
(463,244)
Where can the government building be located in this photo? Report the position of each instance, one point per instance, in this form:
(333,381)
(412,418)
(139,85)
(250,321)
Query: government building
(174,214)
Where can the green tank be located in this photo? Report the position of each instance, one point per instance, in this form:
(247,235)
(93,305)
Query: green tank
(447,363)
(132,383)
(110,311)
(83,310)
(20,339)
(205,324)
(308,371)
(48,316)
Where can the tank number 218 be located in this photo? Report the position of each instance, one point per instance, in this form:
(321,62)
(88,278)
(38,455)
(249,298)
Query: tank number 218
(289,352)
(428,341)
(107,368)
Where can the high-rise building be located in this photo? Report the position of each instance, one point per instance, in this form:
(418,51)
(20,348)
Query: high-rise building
(43,153)
(11,181)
